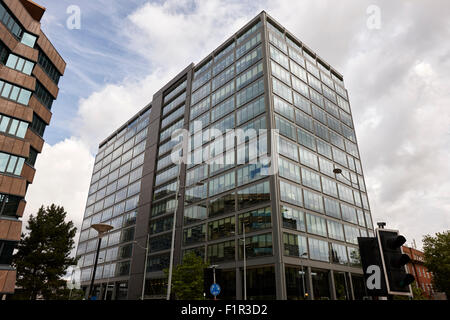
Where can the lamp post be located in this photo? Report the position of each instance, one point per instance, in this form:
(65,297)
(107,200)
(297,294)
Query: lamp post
(145,262)
(303,274)
(102,229)
(172,247)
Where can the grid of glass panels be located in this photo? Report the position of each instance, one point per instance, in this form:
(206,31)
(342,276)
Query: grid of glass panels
(113,199)
(314,120)
(228,93)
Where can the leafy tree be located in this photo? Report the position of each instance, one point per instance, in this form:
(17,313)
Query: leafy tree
(187,278)
(437,259)
(43,254)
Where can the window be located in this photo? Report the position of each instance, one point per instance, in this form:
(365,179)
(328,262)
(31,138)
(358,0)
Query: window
(161,225)
(164,191)
(351,234)
(308,158)
(301,87)
(281,73)
(9,205)
(335,230)
(224,251)
(222,109)
(251,173)
(291,193)
(11,164)
(222,93)
(306,139)
(286,128)
(248,60)
(329,187)
(256,39)
(222,205)
(222,183)
(165,206)
(175,91)
(13,126)
(199,108)
(221,228)
(195,213)
(283,108)
(288,170)
(298,71)
(255,220)
(293,219)
(251,110)
(313,201)
(194,234)
(282,90)
(302,103)
(288,149)
(223,78)
(253,195)
(338,254)
(349,214)
(279,57)
(160,243)
(249,32)
(316,225)
(318,250)
(257,246)
(295,245)
(311,179)
(345,193)
(196,193)
(249,76)
(19,64)
(198,95)
(221,65)
(14,93)
(43,95)
(38,125)
(305,122)
(250,92)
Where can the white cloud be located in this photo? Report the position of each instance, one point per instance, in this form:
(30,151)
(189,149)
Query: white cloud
(396,76)
(63,174)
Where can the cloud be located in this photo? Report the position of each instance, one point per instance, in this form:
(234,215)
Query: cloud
(63,174)
(396,76)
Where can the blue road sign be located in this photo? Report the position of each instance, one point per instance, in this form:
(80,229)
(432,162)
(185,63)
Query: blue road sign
(214,289)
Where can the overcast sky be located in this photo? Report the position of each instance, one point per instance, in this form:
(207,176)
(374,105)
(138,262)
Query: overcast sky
(396,72)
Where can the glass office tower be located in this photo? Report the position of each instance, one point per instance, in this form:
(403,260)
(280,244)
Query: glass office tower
(301,222)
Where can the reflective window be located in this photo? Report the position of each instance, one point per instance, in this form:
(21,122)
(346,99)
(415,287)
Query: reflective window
(318,250)
(295,245)
(293,219)
(255,220)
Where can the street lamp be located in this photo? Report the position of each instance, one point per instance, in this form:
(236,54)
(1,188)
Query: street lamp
(172,247)
(102,229)
(145,263)
(303,273)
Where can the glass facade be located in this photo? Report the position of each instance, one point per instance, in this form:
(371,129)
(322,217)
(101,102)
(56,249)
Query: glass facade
(261,78)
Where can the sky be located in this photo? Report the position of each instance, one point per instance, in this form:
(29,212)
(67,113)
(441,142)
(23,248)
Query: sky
(394,55)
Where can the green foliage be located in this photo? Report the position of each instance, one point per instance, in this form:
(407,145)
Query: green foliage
(43,254)
(187,278)
(437,260)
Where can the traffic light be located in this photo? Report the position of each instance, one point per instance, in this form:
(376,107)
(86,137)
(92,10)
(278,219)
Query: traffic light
(394,261)
(375,280)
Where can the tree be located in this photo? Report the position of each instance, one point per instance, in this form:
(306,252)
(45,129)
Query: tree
(43,254)
(437,260)
(187,278)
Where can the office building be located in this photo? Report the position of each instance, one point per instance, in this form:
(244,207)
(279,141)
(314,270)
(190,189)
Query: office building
(30,69)
(301,222)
